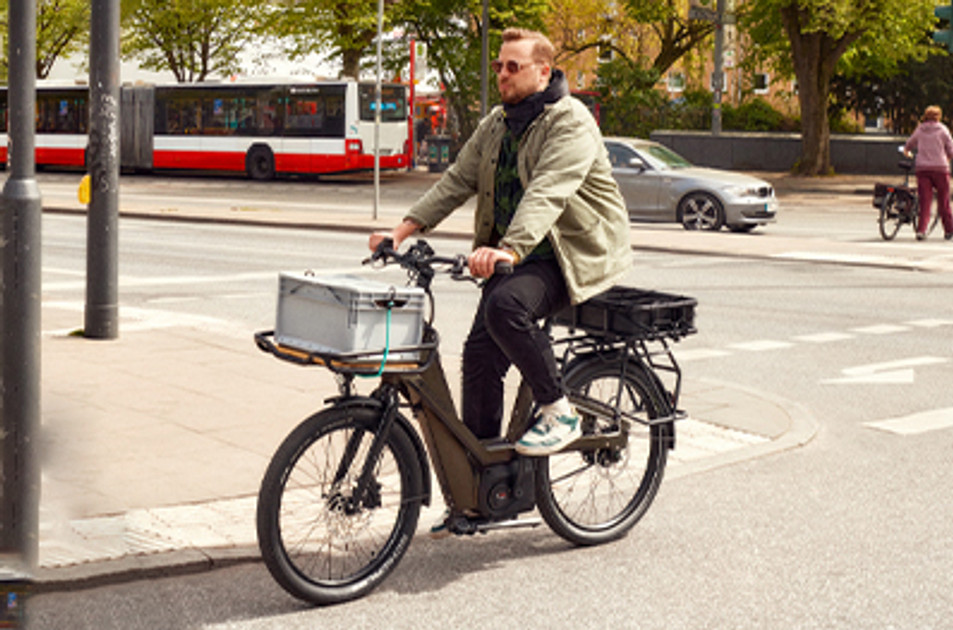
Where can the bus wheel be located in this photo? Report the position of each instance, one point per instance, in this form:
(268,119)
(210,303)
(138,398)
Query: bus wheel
(260,162)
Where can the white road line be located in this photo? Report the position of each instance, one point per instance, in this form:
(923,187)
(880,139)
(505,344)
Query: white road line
(825,337)
(881,329)
(916,423)
(761,345)
(700,353)
(931,323)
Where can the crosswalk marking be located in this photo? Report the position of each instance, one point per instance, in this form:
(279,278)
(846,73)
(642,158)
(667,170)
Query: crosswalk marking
(761,345)
(881,329)
(826,337)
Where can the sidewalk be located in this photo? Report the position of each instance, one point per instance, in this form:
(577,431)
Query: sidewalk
(154,443)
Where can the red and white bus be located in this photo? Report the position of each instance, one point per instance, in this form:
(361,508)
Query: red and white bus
(260,128)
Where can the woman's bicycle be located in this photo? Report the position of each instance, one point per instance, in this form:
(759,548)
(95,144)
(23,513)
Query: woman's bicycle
(340,500)
(899,204)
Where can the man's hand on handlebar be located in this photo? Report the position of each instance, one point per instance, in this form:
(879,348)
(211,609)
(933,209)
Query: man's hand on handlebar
(483,260)
(398,234)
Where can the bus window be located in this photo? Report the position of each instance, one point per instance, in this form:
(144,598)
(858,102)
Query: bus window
(61,113)
(315,113)
(181,116)
(393,102)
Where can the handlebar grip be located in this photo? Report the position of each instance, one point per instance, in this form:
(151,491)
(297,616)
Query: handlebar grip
(385,246)
(503,268)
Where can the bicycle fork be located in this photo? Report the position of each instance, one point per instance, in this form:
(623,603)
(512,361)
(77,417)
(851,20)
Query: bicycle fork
(364,494)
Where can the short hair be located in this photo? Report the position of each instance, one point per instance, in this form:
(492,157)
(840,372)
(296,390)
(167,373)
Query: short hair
(543,49)
(933,112)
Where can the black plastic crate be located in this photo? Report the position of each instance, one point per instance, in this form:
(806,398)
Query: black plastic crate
(631,312)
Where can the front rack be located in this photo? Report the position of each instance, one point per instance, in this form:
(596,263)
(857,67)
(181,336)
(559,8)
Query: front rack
(359,362)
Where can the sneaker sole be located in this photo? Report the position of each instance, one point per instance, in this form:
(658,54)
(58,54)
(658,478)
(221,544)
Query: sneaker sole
(539,450)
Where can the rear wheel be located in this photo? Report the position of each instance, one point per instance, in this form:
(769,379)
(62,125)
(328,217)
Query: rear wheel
(892,213)
(592,497)
(321,542)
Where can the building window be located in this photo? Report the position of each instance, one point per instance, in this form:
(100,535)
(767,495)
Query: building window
(762,83)
(675,82)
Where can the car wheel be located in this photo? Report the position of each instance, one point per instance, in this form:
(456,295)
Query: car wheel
(701,211)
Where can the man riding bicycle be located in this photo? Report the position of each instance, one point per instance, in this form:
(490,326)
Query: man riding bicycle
(548,204)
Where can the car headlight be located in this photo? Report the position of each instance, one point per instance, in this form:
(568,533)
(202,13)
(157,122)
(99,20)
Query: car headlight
(747,191)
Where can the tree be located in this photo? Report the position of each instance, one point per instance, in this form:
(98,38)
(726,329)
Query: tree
(451,31)
(650,36)
(344,29)
(811,37)
(62,28)
(190,38)
(901,97)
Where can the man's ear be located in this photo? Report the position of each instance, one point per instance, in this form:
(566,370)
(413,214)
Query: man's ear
(546,72)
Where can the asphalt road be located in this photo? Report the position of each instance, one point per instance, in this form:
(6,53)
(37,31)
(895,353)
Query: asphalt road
(848,531)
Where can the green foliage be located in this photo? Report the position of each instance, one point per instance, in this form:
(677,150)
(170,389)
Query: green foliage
(190,38)
(754,115)
(811,38)
(62,28)
(451,30)
(344,30)
(901,97)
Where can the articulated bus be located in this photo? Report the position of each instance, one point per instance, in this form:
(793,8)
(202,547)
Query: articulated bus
(262,128)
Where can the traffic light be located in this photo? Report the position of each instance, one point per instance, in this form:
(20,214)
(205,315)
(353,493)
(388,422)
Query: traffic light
(944,36)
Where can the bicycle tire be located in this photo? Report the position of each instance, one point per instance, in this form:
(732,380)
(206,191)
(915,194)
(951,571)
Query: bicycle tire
(593,497)
(931,227)
(316,543)
(891,216)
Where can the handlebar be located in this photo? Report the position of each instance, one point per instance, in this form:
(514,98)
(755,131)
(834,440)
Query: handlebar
(422,263)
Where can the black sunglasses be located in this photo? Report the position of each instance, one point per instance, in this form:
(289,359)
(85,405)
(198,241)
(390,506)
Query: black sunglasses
(512,67)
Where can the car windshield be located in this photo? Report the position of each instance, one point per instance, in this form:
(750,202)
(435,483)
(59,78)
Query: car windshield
(662,157)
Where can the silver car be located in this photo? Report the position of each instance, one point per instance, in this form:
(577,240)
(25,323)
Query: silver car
(659,185)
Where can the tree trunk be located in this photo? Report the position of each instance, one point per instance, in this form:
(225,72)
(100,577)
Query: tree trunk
(813,93)
(815,55)
(351,66)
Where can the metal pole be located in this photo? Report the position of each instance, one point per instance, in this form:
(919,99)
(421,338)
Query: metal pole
(485,60)
(20,340)
(102,226)
(718,76)
(377,109)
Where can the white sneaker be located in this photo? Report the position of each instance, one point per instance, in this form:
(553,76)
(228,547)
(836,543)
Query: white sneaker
(550,434)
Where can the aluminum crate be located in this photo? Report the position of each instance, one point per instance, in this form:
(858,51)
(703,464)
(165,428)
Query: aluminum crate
(341,314)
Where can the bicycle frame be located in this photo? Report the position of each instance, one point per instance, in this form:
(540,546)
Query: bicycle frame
(458,457)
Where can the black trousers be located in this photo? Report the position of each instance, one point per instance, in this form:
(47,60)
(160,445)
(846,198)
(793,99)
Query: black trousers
(506,332)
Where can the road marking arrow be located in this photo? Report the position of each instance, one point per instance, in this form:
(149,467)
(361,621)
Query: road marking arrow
(890,372)
(922,422)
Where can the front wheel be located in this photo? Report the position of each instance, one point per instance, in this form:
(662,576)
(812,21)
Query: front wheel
(593,497)
(701,211)
(892,214)
(321,541)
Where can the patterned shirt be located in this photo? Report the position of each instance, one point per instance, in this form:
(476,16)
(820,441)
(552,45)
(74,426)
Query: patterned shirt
(508,193)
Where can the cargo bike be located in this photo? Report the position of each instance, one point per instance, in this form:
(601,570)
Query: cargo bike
(340,499)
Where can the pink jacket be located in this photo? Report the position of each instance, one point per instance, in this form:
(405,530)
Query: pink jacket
(933,144)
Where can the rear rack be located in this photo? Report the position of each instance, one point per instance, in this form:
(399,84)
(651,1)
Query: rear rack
(630,313)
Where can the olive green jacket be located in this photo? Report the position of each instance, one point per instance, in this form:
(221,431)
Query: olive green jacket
(569,195)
